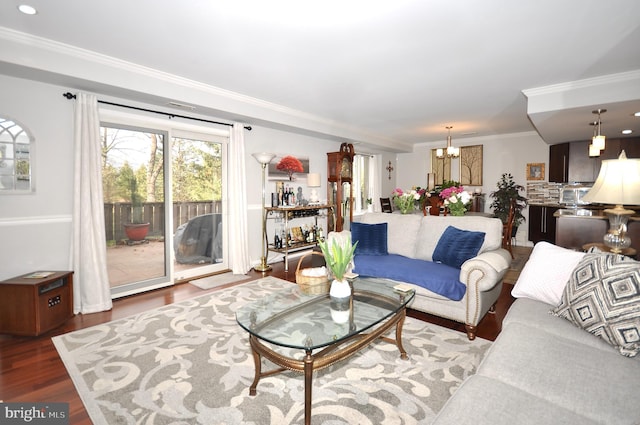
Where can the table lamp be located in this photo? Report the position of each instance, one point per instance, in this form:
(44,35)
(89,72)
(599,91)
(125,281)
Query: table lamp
(618,183)
(264,159)
(313,181)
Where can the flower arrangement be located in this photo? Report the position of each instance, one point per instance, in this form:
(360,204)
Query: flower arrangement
(338,253)
(456,199)
(406,201)
(291,165)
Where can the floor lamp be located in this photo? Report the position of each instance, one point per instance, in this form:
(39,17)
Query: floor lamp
(264,159)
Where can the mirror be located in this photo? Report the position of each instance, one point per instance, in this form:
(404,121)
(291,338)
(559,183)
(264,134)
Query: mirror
(16,157)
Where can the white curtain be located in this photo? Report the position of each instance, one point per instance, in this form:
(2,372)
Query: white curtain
(91,291)
(237,195)
(374,181)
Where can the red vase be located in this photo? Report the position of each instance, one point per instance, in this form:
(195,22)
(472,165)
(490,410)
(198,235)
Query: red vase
(435,203)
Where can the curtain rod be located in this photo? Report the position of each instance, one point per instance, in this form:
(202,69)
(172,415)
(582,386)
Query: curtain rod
(70,96)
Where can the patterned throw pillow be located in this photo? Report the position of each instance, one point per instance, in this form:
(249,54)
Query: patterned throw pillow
(603,297)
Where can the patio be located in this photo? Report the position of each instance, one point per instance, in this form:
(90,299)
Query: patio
(132,263)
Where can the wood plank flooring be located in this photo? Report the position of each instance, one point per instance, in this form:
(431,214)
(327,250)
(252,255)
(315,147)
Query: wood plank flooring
(31,370)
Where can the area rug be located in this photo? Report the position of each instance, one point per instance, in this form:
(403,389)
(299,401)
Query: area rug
(218,280)
(190,363)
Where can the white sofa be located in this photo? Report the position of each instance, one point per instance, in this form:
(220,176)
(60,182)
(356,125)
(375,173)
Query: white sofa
(416,236)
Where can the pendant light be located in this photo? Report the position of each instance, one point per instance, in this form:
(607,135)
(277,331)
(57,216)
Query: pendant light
(594,151)
(598,140)
(450,152)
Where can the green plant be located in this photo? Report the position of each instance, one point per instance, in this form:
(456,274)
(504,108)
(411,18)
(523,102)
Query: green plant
(136,201)
(337,256)
(369,201)
(508,190)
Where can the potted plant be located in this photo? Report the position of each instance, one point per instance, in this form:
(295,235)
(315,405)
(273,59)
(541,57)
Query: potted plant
(369,205)
(508,190)
(137,229)
(338,254)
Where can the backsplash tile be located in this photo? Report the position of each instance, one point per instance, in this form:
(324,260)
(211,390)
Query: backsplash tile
(543,192)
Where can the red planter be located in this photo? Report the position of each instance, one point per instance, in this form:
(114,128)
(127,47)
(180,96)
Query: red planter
(136,232)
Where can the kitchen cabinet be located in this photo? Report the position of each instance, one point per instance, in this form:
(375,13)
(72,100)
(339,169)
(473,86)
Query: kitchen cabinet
(613,147)
(582,167)
(559,163)
(570,161)
(542,223)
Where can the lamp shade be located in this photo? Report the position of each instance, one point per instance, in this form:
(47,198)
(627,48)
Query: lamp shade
(313,179)
(263,157)
(618,182)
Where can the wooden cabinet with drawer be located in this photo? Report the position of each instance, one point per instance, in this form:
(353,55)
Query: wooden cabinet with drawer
(31,305)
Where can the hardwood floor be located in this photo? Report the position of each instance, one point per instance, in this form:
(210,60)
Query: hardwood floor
(31,370)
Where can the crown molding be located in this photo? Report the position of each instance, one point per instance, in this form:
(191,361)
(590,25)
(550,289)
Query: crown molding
(470,141)
(106,71)
(622,77)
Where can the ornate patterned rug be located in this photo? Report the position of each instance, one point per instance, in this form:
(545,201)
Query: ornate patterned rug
(190,363)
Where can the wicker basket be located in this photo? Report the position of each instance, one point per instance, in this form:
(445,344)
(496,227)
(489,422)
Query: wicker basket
(311,285)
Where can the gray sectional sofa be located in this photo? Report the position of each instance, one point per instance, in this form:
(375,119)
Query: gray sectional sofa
(545,369)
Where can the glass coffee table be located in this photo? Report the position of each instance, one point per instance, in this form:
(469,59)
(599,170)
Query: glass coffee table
(306,333)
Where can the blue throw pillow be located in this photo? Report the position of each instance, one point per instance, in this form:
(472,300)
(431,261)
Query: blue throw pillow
(371,238)
(457,246)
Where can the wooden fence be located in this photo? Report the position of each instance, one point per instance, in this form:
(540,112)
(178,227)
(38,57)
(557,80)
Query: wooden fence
(115,215)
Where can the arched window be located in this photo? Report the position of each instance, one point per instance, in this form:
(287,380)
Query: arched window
(16,157)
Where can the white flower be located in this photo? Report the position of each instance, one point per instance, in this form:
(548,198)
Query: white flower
(465,197)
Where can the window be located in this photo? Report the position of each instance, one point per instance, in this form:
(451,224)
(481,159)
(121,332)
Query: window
(16,157)
(364,172)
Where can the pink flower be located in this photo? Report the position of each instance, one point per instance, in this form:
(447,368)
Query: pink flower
(453,190)
(397,192)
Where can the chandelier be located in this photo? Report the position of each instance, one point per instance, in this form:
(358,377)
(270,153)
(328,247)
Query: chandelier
(597,142)
(450,152)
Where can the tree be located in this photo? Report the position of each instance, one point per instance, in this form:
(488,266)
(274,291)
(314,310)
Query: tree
(154,168)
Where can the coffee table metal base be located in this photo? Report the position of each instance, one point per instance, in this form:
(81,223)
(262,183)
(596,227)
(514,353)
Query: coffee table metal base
(323,358)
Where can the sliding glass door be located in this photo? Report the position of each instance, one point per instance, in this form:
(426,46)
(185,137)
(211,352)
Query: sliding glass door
(163,193)
(197,184)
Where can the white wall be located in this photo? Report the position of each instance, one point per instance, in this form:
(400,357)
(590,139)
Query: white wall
(35,229)
(262,139)
(501,154)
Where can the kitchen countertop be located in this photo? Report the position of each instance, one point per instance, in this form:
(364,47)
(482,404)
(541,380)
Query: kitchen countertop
(588,213)
(595,211)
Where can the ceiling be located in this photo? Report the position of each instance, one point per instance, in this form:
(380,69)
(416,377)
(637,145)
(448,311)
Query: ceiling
(398,70)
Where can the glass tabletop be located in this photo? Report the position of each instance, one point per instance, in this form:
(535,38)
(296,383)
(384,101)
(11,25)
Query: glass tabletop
(290,318)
